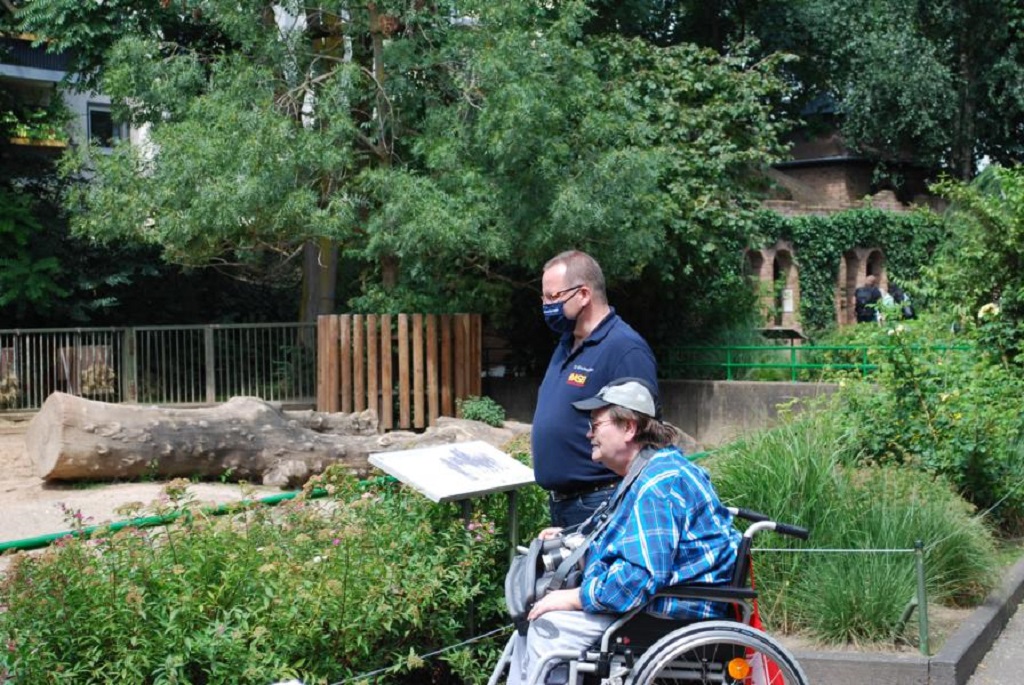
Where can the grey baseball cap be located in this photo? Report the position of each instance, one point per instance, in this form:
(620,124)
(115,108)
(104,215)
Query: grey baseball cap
(630,394)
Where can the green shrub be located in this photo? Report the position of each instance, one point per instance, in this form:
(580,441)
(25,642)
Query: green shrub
(947,409)
(801,473)
(318,590)
(482,409)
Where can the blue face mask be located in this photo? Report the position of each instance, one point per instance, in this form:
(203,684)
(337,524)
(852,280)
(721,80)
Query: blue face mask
(555,318)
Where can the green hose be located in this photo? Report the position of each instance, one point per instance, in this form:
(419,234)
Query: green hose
(148,521)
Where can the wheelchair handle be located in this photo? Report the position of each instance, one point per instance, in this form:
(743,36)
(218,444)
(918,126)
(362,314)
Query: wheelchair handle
(792,531)
(749,514)
(765,522)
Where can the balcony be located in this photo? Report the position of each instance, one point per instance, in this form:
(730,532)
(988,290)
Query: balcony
(36,127)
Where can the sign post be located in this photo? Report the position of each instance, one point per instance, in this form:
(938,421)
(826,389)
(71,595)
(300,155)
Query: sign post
(458,472)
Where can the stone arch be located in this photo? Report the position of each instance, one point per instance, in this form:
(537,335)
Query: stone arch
(753,263)
(775,279)
(785,288)
(856,265)
(754,270)
(874,265)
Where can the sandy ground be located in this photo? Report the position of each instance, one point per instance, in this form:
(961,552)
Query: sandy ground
(30,507)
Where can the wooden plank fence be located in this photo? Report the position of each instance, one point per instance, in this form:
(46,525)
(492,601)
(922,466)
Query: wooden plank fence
(417,364)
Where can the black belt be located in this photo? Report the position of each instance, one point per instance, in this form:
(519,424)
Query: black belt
(562,495)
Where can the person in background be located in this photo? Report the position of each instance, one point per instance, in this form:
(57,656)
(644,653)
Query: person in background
(866,299)
(900,297)
(595,347)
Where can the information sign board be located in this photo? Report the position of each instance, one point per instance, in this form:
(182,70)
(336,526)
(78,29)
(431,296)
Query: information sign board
(457,471)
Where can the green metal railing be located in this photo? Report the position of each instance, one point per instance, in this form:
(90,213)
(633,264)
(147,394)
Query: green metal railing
(776,362)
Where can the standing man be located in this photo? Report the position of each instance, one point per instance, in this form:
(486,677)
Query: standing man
(595,348)
(866,299)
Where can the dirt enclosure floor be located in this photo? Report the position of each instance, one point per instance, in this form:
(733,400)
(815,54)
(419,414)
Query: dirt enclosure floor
(30,507)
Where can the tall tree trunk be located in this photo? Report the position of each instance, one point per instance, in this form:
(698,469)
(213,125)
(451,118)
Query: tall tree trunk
(319,278)
(380,27)
(963,145)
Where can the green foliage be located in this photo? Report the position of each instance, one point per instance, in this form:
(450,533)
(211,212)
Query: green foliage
(372,577)
(899,79)
(800,473)
(36,124)
(26,279)
(909,241)
(980,266)
(316,590)
(445,163)
(85,34)
(482,409)
(947,410)
(640,155)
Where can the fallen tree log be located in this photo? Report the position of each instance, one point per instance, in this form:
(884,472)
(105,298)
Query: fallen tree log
(246,438)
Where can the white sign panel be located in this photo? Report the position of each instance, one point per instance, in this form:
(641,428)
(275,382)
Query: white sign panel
(446,473)
(787,301)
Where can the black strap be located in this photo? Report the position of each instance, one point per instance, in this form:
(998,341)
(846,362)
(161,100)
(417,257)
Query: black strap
(603,516)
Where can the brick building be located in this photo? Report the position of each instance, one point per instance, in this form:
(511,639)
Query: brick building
(823,177)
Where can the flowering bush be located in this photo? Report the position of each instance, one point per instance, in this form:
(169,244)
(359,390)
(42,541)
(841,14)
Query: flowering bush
(938,402)
(315,589)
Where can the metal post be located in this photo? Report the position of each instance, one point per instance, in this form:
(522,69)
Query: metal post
(129,367)
(467,518)
(513,525)
(922,598)
(211,365)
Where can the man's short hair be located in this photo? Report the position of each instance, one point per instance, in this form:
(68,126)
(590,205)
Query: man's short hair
(581,268)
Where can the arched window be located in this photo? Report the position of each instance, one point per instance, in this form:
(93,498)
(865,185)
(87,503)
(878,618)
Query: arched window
(785,290)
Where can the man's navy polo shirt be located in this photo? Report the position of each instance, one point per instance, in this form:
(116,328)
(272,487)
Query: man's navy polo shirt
(561,450)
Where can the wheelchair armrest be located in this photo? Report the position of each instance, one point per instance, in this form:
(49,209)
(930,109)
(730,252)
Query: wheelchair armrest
(717,593)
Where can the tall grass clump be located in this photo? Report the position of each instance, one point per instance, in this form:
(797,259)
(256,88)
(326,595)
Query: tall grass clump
(802,472)
(315,589)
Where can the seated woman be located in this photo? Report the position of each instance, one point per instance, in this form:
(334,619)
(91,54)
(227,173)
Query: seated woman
(668,528)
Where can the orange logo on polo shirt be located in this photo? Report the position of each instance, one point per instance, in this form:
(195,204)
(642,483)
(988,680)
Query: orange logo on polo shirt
(577,379)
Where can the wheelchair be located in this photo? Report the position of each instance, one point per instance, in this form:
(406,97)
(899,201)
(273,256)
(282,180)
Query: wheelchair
(642,649)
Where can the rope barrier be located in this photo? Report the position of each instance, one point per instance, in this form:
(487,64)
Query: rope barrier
(834,550)
(469,641)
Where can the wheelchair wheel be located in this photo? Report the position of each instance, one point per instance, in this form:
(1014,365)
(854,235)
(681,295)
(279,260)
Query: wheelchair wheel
(720,652)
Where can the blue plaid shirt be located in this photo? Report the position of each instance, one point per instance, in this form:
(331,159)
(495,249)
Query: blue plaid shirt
(670,528)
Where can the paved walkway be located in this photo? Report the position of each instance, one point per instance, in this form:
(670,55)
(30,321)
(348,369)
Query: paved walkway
(1004,663)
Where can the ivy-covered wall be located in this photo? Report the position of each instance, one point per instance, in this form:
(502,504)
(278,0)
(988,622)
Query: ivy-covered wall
(908,240)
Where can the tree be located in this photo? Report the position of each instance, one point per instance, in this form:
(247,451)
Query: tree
(932,82)
(642,155)
(26,279)
(447,155)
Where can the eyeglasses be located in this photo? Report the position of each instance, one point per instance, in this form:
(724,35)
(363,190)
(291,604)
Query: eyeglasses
(595,424)
(553,297)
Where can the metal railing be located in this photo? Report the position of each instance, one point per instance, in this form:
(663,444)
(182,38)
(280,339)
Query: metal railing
(159,364)
(775,362)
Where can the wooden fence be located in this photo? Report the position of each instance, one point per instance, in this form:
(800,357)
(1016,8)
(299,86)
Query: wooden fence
(415,365)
